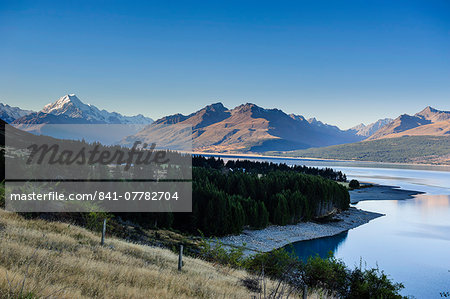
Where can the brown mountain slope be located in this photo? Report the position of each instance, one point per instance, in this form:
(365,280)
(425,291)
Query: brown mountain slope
(433,115)
(441,128)
(247,127)
(407,122)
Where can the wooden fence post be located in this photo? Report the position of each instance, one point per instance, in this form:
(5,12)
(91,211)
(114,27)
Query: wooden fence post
(103,232)
(180,258)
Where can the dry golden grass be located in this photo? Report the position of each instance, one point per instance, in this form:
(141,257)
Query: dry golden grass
(60,260)
(41,259)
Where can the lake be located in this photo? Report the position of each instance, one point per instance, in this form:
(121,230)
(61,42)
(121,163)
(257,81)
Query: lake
(411,243)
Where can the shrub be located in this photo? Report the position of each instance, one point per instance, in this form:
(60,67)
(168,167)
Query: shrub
(216,251)
(334,276)
(372,283)
(354,184)
(94,220)
(275,263)
(329,274)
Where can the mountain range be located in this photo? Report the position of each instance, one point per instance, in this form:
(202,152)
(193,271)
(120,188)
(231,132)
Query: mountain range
(248,127)
(245,128)
(71,110)
(429,121)
(110,127)
(420,138)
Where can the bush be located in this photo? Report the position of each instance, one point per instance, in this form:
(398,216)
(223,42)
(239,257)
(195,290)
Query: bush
(275,264)
(372,283)
(329,274)
(354,184)
(94,220)
(215,251)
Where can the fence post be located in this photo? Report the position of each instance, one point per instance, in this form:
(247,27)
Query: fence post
(103,232)
(180,258)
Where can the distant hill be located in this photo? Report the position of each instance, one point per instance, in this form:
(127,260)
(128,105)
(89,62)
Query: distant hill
(419,123)
(10,114)
(247,127)
(369,130)
(407,149)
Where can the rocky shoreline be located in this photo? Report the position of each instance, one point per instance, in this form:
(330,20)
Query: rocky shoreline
(275,236)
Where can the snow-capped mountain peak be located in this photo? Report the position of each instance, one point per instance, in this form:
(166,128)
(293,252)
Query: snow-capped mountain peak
(70,105)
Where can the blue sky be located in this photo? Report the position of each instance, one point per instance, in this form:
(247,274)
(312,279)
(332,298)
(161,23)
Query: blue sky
(343,62)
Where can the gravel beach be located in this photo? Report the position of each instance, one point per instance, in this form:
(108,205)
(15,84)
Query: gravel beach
(275,236)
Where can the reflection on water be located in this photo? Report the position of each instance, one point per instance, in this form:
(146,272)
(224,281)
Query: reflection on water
(321,246)
(442,201)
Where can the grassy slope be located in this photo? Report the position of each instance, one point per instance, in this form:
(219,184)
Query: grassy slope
(65,261)
(407,149)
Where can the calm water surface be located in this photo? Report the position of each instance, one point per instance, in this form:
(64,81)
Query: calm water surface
(412,242)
